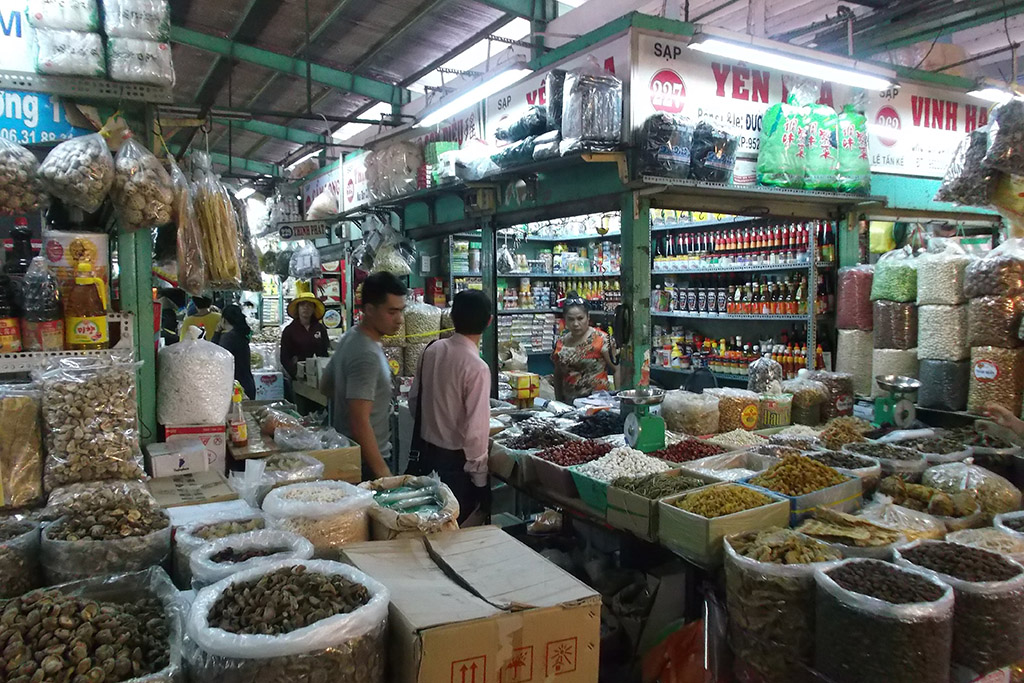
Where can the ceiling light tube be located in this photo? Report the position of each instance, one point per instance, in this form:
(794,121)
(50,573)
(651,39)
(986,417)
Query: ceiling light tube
(245,192)
(490,84)
(778,59)
(991,94)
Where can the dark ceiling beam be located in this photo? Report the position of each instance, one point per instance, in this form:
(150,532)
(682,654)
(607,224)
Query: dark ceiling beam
(835,39)
(938,23)
(542,10)
(396,32)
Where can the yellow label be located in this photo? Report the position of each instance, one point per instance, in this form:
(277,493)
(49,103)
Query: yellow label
(239,432)
(748,417)
(395,367)
(87,330)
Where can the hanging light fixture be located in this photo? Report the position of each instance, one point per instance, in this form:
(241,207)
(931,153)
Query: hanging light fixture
(991,94)
(492,82)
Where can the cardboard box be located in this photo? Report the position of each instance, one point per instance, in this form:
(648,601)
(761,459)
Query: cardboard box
(342,464)
(459,613)
(549,476)
(631,512)
(191,489)
(845,497)
(525,384)
(214,437)
(699,539)
(182,456)
(269,385)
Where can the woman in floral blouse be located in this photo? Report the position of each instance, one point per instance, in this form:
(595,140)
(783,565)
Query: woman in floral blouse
(583,355)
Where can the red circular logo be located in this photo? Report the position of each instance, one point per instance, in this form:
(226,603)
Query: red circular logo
(350,190)
(887,126)
(54,251)
(668,94)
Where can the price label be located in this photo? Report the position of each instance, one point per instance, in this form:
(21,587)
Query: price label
(986,371)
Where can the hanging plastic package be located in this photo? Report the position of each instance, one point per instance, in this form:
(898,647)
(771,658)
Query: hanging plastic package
(852,149)
(546,146)
(69,53)
(248,260)
(822,165)
(1006,137)
(944,384)
(324,205)
(79,171)
(895,276)
(968,181)
(219,226)
(532,122)
(195,382)
(70,15)
(712,153)
(142,19)
(664,143)
(506,260)
(142,191)
(854,310)
(21,191)
(191,261)
(762,373)
(305,262)
(940,275)
(131,60)
(554,83)
(1000,272)
(591,110)
(782,156)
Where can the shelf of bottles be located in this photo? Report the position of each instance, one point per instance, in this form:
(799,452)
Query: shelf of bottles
(681,350)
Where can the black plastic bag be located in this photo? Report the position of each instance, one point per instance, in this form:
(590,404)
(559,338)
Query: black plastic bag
(664,143)
(533,121)
(712,154)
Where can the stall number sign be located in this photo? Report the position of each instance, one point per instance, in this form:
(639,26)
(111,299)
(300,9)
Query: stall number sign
(303,230)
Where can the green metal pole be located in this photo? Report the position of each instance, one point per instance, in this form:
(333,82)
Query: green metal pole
(489,272)
(636,284)
(135,258)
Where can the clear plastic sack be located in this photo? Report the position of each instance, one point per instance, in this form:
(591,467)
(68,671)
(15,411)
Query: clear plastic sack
(1006,136)
(853,357)
(854,159)
(591,110)
(712,152)
(70,15)
(900,362)
(79,171)
(853,294)
(532,121)
(913,524)
(997,376)
(840,393)
(762,373)
(196,378)
(989,538)
(737,408)
(694,414)
(995,493)
(21,191)
(809,398)
(191,260)
(19,556)
(131,60)
(208,564)
(895,325)
(142,191)
(409,507)
(393,170)
(411,356)
(422,322)
(546,146)
(995,321)
(219,226)
(349,648)
(143,19)
(330,514)
(305,262)
(733,466)
(324,205)
(944,384)
(64,561)
(554,84)
(942,333)
(189,537)
(90,421)
(21,446)
(774,410)
(248,260)
(968,181)
(905,463)
(70,53)
(999,273)
(895,276)
(516,153)
(940,276)
(390,259)
(309,438)
(664,142)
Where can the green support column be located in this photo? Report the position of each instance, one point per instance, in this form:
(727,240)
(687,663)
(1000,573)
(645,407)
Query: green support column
(636,282)
(489,271)
(135,259)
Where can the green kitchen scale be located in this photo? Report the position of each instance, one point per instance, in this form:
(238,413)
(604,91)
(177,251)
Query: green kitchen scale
(644,429)
(897,408)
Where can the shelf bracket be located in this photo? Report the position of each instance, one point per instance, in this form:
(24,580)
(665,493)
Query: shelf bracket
(618,158)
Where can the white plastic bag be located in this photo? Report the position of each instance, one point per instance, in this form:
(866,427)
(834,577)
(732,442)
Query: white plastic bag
(207,570)
(69,53)
(142,19)
(189,537)
(71,15)
(140,61)
(324,205)
(195,382)
(330,514)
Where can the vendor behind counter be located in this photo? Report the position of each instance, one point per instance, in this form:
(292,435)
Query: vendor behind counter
(305,337)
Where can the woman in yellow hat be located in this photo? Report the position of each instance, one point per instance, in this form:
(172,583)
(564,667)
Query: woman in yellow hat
(305,336)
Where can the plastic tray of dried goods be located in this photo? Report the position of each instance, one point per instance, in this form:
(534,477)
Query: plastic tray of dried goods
(845,497)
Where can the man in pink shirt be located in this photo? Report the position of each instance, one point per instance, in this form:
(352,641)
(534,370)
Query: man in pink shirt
(452,425)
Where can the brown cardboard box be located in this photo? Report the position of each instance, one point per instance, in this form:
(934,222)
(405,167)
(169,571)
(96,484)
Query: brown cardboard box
(342,464)
(476,606)
(631,512)
(191,489)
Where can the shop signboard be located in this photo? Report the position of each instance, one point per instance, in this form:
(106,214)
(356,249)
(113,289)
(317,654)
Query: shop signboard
(355,192)
(17,38)
(303,230)
(327,178)
(29,118)
(912,129)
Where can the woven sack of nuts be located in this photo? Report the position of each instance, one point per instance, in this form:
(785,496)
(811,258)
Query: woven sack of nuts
(396,524)
(223,557)
(236,625)
(189,537)
(328,513)
(19,557)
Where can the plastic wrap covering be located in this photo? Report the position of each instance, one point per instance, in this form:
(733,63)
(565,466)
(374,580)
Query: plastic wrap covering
(89,418)
(809,397)
(21,191)
(69,53)
(996,494)
(140,61)
(19,557)
(940,276)
(299,438)
(305,262)
(142,192)
(853,357)
(219,227)
(72,15)
(840,393)
(737,408)
(191,260)
(781,158)
(895,325)
(346,647)
(995,320)
(189,537)
(260,477)
(713,153)
(1006,136)
(944,384)
(770,596)
(899,362)
(988,633)
(853,292)
(409,506)
(195,382)
(422,323)
(762,373)
(895,276)
(142,19)
(554,83)
(533,121)
(942,333)
(71,560)
(917,630)
(546,146)
(912,524)
(968,181)
(730,466)
(822,169)
(997,376)
(21,446)
(328,513)
(591,110)
(79,172)
(324,205)
(854,160)
(1011,523)
(694,414)
(220,559)
(664,143)
(999,273)
(393,170)
(994,539)
(516,154)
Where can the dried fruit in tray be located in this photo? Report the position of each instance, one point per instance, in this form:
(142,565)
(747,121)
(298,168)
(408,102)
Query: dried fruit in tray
(575,452)
(798,475)
(687,450)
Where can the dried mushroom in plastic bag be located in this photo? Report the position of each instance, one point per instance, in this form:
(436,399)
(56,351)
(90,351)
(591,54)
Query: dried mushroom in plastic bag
(79,171)
(142,191)
(21,446)
(20,188)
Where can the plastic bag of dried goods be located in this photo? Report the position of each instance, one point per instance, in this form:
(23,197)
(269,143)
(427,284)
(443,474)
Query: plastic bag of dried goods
(895,276)
(532,121)
(995,321)
(262,476)
(70,53)
(21,446)
(781,161)
(305,262)
(997,376)
(942,333)
(895,325)
(712,152)
(422,323)
(968,181)
(900,362)
(944,384)
(131,60)
(189,537)
(191,259)
(328,513)
(71,15)
(941,274)
(913,524)
(822,161)
(694,414)
(840,393)
(591,109)
(409,507)
(853,305)
(142,19)
(19,556)
(905,463)
(220,559)
(20,188)
(195,382)
(854,159)
(219,226)
(142,191)
(809,397)
(664,142)
(737,408)
(762,373)
(79,171)
(853,357)
(999,273)
(1006,135)
(989,538)
(995,493)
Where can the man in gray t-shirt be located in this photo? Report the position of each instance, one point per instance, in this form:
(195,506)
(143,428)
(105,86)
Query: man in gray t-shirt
(358,380)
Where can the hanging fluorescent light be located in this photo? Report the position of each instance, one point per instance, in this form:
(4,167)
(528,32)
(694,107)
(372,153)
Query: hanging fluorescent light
(742,48)
(245,192)
(312,155)
(991,94)
(491,83)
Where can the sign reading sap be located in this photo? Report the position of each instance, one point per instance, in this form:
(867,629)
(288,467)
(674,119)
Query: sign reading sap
(31,118)
(17,39)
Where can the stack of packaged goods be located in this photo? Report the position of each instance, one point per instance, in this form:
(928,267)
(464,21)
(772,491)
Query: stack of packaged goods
(855,320)
(943,347)
(894,293)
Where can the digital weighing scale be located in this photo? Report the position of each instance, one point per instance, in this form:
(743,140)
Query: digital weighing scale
(896,408)
(644,430)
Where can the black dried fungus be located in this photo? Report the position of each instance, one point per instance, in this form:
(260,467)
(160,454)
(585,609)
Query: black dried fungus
(533,436)
(847,461)
(604,423)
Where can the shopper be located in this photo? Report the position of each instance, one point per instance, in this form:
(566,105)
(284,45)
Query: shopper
(358,380)
(1005,418)
(233,334)
(450,400)
(583,355)
(205,318)
(171,300)
(305,336)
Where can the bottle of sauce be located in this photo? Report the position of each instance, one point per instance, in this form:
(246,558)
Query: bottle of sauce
(18,261)
(10,336)
(42,322)
(237,427)
(85,312)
